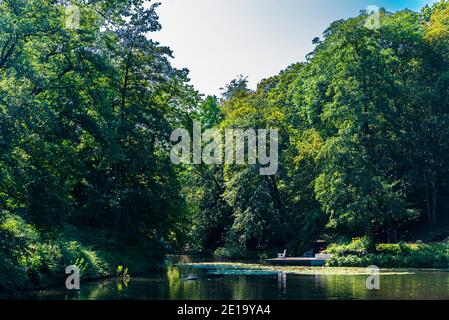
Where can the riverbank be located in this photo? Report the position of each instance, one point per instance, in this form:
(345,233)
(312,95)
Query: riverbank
(32,259)
(402,255)
(417,255)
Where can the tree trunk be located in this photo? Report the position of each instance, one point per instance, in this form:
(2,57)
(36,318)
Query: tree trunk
(275,195)
(428,206)
(371,241)
(392,234)
(434,204)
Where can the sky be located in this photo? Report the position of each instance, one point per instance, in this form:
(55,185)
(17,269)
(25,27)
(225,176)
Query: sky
(217,40)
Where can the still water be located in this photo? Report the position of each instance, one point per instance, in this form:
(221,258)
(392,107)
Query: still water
(186,282)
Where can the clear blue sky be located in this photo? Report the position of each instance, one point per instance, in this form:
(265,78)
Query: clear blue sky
(220,39)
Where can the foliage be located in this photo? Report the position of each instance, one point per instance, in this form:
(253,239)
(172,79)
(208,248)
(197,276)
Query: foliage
(85,117)
(363,142)
(400,255)
(31,259)
(231,253)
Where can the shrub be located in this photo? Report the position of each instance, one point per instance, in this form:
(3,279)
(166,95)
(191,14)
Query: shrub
(400,255)
(29,261)
(230,252)
(358,246)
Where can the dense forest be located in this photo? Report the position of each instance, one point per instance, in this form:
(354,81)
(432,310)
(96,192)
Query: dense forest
(363,143)
(87,109)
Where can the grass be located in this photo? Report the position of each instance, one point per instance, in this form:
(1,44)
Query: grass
(32,259)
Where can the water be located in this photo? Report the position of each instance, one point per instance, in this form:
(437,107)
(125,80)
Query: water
(186,282)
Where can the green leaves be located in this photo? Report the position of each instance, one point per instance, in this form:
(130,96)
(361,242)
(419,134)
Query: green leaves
(85,118)
(86,113)
(362,130)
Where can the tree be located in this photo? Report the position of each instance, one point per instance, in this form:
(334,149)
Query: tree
(86,114)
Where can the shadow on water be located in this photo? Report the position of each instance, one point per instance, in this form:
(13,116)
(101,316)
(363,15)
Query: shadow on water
(186,282)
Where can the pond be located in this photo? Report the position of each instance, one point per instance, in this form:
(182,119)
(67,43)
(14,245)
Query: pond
(185,280)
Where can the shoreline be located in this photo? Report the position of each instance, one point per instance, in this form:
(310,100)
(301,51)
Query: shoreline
(326,270)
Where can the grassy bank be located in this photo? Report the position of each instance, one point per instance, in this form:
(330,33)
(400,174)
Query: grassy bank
(402,255)
(355,254)
(33,259)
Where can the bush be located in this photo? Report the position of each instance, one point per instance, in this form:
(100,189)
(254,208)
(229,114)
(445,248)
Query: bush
(231,252)
(32,260)
(358,247)
(400,255)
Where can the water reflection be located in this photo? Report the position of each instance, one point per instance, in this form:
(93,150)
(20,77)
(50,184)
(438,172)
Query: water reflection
(282,284)
(180,281)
